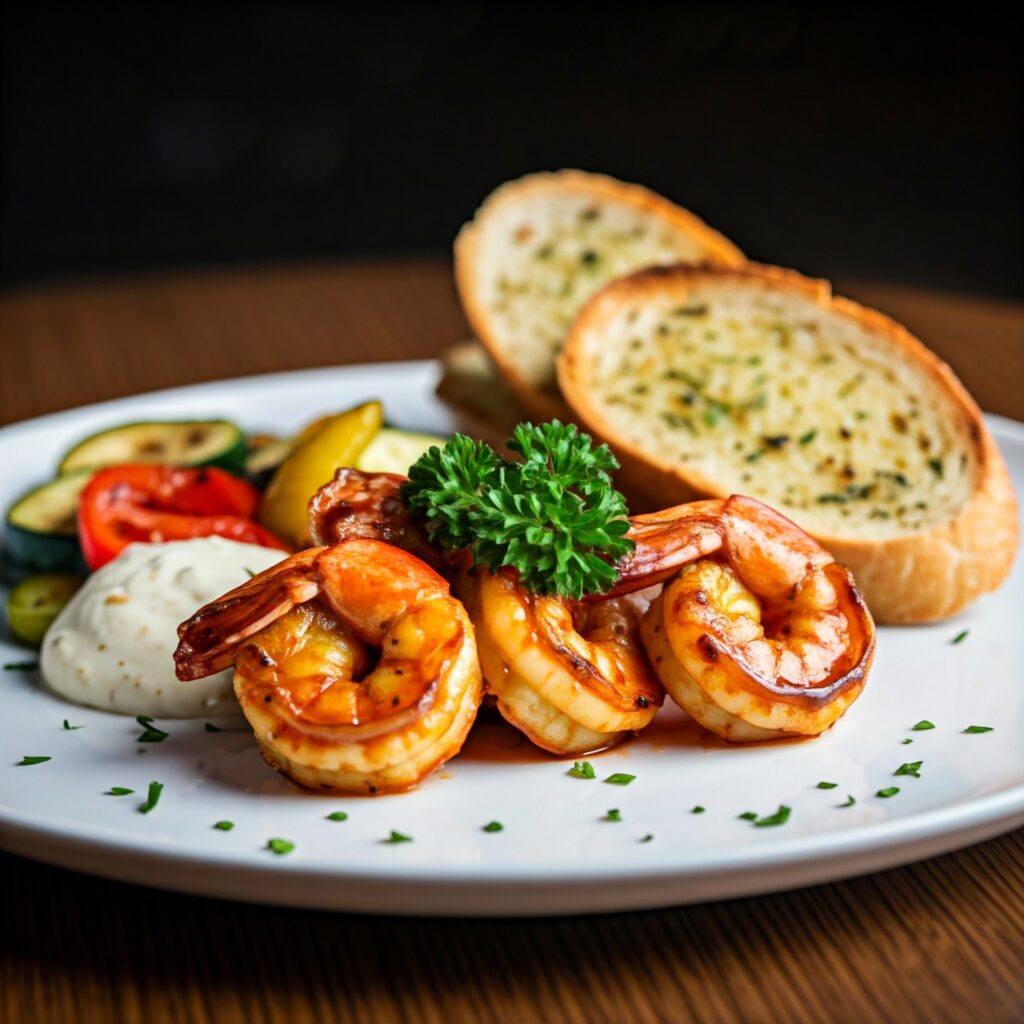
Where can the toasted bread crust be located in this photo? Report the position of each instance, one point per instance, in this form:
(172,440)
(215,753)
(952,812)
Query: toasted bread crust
(542,405)
(913,577)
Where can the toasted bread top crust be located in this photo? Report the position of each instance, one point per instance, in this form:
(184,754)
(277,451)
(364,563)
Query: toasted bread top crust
(538,247)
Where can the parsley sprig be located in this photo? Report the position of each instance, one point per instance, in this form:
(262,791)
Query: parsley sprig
(553,515)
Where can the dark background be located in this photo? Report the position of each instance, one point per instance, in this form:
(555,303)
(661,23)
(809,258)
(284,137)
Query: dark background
(860,140)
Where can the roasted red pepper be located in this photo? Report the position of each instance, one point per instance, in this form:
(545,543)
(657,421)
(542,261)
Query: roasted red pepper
(149,503)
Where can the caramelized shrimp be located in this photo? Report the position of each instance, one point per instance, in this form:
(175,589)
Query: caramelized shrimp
(573,677)
(354,665)
(369,505)
(759,634)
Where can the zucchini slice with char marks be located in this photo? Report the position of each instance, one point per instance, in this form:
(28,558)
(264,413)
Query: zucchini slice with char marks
(185,443)
(41,528)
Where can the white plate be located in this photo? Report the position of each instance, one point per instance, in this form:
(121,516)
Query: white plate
(555,854)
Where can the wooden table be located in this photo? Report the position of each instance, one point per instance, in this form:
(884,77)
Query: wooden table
(942,940)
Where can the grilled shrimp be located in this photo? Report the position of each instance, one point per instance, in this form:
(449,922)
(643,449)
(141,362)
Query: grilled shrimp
(354,665)
(572,676)
(758,634)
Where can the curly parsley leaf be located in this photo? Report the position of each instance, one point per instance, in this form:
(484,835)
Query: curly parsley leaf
(553,515)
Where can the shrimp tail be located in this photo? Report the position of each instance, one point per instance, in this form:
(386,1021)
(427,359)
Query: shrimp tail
(207,641)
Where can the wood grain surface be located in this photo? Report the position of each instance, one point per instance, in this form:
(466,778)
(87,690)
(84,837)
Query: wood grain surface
(942,940)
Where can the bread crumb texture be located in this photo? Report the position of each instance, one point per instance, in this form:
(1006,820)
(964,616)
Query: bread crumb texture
(543,256)
(767,393)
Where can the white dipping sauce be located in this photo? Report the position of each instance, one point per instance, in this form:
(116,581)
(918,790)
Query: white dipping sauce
(111,646)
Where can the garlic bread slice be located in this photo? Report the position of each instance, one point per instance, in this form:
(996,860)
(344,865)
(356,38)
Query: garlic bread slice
(540,246)
(756,380)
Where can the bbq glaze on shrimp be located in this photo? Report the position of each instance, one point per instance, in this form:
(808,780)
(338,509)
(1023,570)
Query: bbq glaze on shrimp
(572,676)
(354,665)
(759,633)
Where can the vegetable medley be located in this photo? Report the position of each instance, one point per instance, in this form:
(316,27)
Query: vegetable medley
(160,481)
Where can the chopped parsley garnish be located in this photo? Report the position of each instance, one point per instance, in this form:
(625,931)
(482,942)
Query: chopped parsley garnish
(922,725)
(852,383)
(849,801)
(647,838)
(150,733)
(224,826)
(32,760)
(911,768)
(582,770)
(906,740)
(494,826)
(153,798)
(613,815)
(21,666)
(675,422)
(246,568)
(119,791)
(979,728)
(620,779)
(68,727)
(888,792)
(589,258)
(553,514)
(337,816)
(398,837)
(697,810)
(748,816)
(780,817)
(827,785)
(210,727)
(280,846)
(960,637)
(808,437)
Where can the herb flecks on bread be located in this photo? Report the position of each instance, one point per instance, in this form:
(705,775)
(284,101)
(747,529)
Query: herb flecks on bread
(756,381)
(540,247)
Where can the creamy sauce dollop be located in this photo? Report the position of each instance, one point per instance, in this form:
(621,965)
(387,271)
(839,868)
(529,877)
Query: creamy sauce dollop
(111,646)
